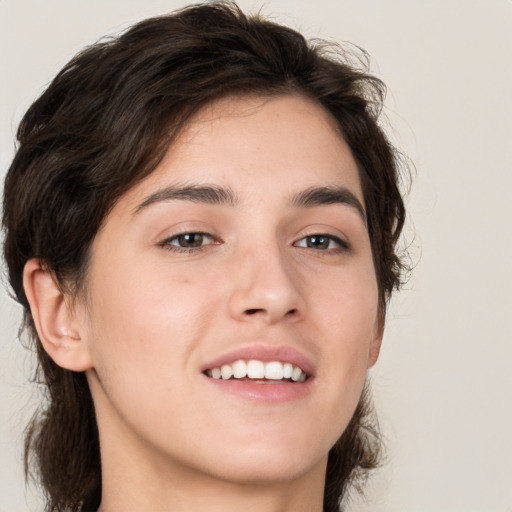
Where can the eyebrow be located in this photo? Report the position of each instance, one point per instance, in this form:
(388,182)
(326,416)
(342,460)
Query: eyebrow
(217,195)
(319,196)
(208,194)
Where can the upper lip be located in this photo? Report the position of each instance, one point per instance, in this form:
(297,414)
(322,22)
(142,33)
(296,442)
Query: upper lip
(265,353)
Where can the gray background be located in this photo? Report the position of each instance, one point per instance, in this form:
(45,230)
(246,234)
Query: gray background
(443,386)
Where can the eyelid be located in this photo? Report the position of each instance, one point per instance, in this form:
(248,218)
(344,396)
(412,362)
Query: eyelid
(179,235)
(342,244)
(166,242)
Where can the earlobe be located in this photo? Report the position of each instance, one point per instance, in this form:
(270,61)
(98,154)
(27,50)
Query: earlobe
(58,329)
(376,343)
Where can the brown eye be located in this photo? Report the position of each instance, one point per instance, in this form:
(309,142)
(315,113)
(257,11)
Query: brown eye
(318,242)
(322,242)
(188,241)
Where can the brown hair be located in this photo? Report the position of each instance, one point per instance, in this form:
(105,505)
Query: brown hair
(104,123)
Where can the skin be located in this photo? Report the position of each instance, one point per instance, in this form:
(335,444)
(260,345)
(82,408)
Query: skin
(154,314)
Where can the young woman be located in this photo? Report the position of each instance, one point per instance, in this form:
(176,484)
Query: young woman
(201,221)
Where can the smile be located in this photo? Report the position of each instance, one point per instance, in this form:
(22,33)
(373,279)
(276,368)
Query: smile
(256,370)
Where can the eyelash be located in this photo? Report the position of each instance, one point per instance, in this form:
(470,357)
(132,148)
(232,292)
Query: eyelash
(168,245)
(341,245)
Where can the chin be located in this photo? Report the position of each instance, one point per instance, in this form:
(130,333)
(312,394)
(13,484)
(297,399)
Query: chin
(270,470)
(263,462)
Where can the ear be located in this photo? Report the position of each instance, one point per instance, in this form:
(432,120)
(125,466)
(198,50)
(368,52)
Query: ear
(59,331)
(376,342)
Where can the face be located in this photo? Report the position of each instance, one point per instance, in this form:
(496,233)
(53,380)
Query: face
(246,250)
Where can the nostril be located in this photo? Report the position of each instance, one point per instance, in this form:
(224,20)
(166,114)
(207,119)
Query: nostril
(262,310)
(254,311)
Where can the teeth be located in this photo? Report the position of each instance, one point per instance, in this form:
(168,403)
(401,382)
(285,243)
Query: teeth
(254,369)
(274,371)
(226,371)
(296,374)
(239,369)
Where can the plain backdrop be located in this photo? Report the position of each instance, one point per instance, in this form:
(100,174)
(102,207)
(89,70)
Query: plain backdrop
(443,385)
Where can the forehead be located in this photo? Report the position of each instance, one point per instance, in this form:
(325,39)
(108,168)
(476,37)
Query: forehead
(278,145)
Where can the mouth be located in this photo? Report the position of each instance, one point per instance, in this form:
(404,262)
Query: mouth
(256,371)
(261,373)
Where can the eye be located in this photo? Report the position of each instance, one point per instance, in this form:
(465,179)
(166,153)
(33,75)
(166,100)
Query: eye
(187,241)
(322,242)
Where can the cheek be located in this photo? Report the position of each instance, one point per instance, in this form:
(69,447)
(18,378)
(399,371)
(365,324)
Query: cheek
(143,339)
(347,319)
(347,303)
(142,326)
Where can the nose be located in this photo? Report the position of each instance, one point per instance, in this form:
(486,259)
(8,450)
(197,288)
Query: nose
(266,288)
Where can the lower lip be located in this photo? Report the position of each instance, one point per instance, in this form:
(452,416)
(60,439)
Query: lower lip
(265,392)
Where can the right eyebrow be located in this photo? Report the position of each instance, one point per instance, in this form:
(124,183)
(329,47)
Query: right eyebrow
(208,194)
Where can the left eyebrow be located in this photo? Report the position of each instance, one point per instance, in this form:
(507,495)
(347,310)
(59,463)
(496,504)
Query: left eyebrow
(319,196)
